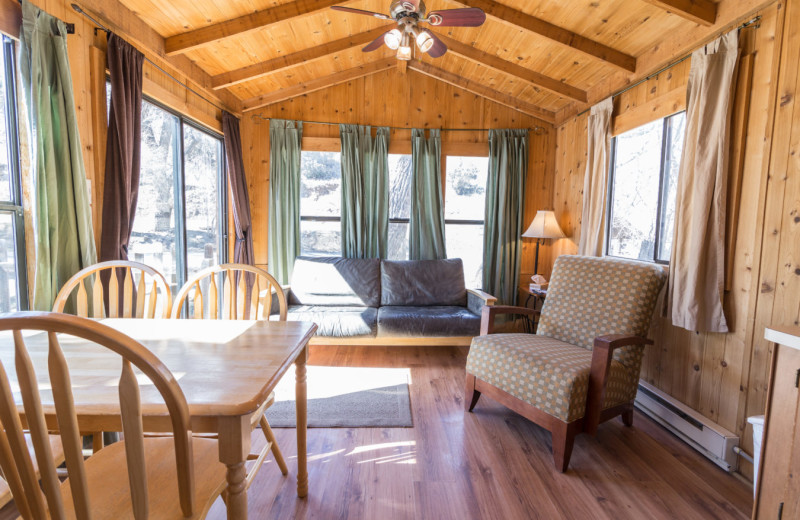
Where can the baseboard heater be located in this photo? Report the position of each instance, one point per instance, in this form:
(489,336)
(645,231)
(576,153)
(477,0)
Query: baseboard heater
(710,439)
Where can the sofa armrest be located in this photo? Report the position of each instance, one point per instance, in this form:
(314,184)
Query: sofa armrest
(477,299)
(602,353)
(489,312)
(275,309)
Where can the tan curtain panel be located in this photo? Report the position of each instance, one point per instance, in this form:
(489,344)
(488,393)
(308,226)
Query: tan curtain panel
(697,265)
(595,184)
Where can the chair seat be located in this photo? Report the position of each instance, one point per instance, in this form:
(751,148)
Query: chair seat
(549,374)
(109,491)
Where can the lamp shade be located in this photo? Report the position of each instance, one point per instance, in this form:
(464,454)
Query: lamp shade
(544,225)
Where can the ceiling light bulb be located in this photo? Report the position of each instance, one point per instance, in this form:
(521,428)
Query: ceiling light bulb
(392,39)
(404,51)
(424,41)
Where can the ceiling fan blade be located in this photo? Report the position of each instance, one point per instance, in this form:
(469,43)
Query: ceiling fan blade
(468,17)
(360,11)
(376,44)
(439,48)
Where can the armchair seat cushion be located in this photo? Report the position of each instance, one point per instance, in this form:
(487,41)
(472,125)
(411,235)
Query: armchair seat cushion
(547,373)
(438,320)
(337,321)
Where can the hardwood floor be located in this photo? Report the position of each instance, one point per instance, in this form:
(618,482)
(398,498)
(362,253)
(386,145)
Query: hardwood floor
(488,464)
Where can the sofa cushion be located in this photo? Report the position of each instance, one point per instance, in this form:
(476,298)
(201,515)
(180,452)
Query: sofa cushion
(394,321)
(338,322)
(336,281)
(423,282)
(551,375)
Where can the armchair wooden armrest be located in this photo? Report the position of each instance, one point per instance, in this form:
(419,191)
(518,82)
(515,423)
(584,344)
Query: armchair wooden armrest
(489,312)
(476,299)
(486,297)
(602,353)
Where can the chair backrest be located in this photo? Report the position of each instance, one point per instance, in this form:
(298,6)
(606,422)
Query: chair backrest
(15,459)
(247,293)
(592,296)
(130,303)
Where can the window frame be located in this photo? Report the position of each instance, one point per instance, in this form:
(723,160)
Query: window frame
(665,161)
(179,187)
(14,206)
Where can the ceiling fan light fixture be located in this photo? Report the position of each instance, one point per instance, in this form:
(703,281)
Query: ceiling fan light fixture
(424,41)
(393,38)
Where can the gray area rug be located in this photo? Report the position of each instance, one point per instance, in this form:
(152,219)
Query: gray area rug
(388,407)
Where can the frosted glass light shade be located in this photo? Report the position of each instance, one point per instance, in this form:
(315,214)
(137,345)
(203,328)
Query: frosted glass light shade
(544,225)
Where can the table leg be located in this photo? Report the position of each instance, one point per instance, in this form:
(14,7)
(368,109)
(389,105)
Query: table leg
(302,422)
(234,446)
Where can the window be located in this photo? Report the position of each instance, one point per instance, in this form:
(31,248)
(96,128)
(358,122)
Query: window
(399,205)
(464,210)
(13,279)
(179,227)
(643,186)
(320,204)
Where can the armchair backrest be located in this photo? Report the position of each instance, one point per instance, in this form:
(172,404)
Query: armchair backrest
(593,296)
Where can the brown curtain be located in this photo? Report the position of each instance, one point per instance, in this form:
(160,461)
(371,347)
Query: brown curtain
(595,183)
(243,250)
(697,265)
(121,188)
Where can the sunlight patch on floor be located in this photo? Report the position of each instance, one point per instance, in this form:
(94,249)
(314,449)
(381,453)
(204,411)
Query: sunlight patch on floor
(332,381)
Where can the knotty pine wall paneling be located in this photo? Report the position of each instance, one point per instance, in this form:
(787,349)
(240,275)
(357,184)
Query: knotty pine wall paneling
(400,99)
(723,376)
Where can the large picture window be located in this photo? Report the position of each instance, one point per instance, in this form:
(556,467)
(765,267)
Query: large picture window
(643,184)
(399,205)
(320,204)
(180,225)
(13,279)
(464,213)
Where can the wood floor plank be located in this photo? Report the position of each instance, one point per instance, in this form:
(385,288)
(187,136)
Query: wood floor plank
(488,464)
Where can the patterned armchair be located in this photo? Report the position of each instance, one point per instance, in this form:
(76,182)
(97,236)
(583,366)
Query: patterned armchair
(582,366)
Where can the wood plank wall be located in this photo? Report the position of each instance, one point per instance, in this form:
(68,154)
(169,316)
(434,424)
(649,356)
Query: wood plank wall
(724,376)
(398,99)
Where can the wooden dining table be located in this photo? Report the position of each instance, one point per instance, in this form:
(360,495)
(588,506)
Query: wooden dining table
(226,369)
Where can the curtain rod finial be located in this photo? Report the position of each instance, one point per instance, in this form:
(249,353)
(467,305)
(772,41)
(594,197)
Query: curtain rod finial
(77,8)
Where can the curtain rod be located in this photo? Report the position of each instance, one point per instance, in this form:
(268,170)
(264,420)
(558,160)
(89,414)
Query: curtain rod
(753,22)
(108,31)
(537,130)
(70,26)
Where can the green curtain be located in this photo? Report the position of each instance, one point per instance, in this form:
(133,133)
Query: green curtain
(426,229)
(505,189)
(62,217)
(365,191)
(285,138)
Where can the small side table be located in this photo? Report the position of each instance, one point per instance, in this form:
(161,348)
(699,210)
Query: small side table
(538,296)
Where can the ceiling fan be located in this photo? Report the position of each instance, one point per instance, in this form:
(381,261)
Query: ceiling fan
(409,14)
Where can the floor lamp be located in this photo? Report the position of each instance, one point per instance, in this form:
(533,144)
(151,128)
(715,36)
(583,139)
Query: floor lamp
(544,226)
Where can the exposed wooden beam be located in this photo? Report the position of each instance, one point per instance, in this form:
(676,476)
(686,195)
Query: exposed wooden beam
(540,80)
(482,90)
(320,83)
(703,12)
(128,25)
(555,33)
(226,79)
(184,42)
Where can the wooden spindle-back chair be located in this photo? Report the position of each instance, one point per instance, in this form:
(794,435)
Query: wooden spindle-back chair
(98,485)
(239,299)
(117,272)
(239,303)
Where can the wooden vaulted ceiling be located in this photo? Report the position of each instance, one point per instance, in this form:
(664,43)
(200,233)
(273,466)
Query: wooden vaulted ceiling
(542,57)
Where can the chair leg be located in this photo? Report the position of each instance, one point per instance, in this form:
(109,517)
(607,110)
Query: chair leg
(563,439)
(471,395)
(627,417)
(276,452)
